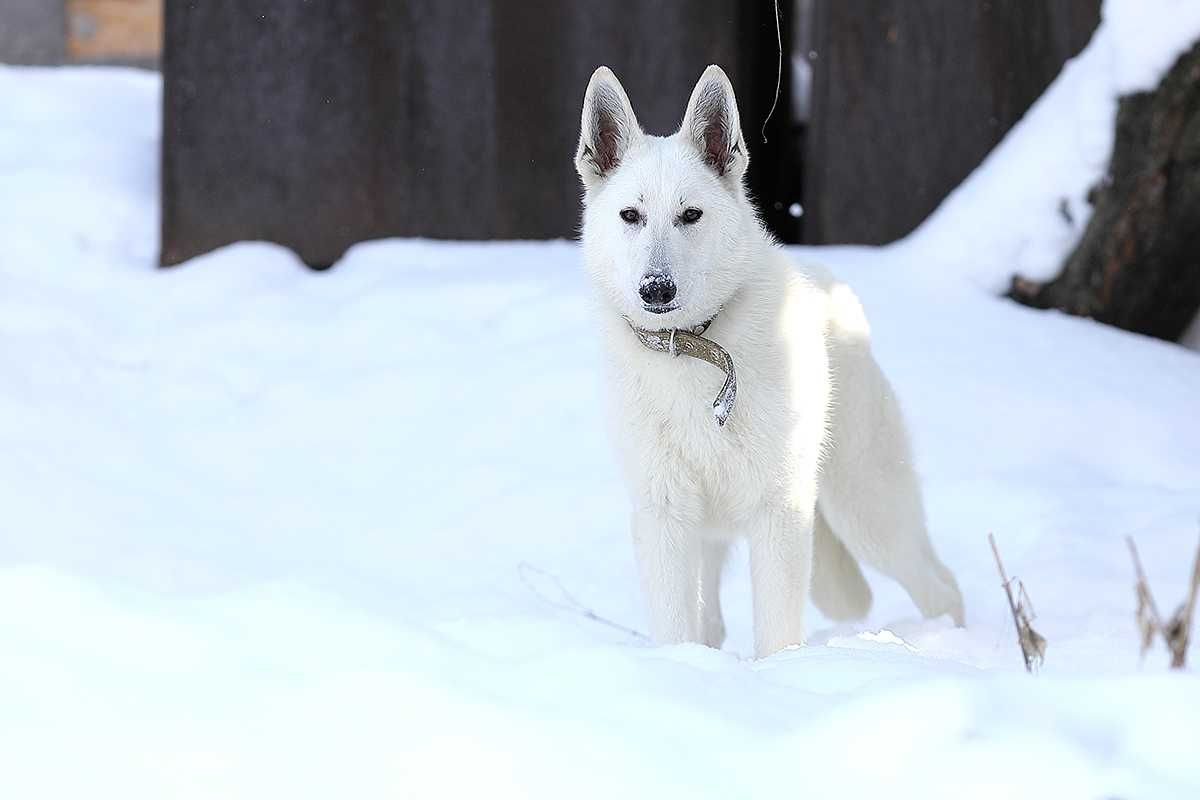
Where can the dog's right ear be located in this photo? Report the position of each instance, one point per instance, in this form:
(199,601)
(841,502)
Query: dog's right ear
(607,130)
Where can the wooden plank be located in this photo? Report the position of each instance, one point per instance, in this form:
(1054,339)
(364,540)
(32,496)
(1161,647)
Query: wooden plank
(363,119)
(910,95)
(31,32)
(114,30)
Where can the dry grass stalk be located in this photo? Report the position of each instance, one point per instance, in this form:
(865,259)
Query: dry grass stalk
(1033,644)
(1176,632)
(1148,621)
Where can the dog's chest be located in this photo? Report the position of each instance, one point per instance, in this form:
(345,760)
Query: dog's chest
(668,430)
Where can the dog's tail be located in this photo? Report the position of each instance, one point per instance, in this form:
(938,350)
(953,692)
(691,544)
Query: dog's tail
(839,589)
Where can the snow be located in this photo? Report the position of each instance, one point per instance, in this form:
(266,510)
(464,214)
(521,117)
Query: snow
(1006,219)
(268,532)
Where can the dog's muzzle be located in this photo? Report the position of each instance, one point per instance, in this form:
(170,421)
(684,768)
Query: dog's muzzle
(692,343)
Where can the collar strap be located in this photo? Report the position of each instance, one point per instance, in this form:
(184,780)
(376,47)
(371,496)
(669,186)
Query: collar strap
(690,342)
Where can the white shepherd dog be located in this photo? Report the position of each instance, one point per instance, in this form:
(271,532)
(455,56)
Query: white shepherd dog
(804,452)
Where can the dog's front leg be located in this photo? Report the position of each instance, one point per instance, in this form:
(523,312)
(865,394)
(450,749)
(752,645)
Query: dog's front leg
(780,570)
(668,556)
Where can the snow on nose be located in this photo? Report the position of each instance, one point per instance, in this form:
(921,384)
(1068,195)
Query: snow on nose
(657,289)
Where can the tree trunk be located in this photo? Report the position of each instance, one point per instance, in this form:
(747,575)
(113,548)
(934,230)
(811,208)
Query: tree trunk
(1138,263)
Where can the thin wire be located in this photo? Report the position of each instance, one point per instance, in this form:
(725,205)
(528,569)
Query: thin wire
(568,602)
(778,73)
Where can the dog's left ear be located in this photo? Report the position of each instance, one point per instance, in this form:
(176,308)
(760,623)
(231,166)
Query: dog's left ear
(712,124)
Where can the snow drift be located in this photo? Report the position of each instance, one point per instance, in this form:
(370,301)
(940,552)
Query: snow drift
(263,529)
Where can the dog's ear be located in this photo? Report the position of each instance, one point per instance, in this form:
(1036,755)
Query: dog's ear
(607,130)
(712,125)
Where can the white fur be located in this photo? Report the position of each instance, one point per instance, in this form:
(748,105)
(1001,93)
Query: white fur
(813,466)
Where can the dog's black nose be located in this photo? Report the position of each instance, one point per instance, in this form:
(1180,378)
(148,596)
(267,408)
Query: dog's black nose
(657,289)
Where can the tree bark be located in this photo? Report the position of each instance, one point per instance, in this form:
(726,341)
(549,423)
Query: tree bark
(1138,264)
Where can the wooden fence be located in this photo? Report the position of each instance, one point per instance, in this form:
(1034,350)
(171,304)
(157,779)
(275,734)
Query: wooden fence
(910,95)
(320,124)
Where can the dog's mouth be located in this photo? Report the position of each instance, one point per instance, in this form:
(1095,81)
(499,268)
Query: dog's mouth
(660,309)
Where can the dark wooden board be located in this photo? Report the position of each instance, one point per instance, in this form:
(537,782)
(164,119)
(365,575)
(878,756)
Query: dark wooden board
(910,95)
(32,32)
(318,125)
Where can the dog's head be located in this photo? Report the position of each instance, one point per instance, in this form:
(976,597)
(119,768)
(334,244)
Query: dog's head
(662,215)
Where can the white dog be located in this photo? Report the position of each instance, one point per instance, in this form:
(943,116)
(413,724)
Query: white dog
(804,452)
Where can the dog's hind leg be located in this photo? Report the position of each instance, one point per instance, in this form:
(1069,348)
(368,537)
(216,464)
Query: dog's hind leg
(839,589)
(870,494)
(875,509)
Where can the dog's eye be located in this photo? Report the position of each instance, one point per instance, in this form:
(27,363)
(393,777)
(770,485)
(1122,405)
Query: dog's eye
(631,215)
(690,215)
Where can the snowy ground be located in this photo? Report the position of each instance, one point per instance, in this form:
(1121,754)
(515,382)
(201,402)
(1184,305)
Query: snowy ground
(262,530)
